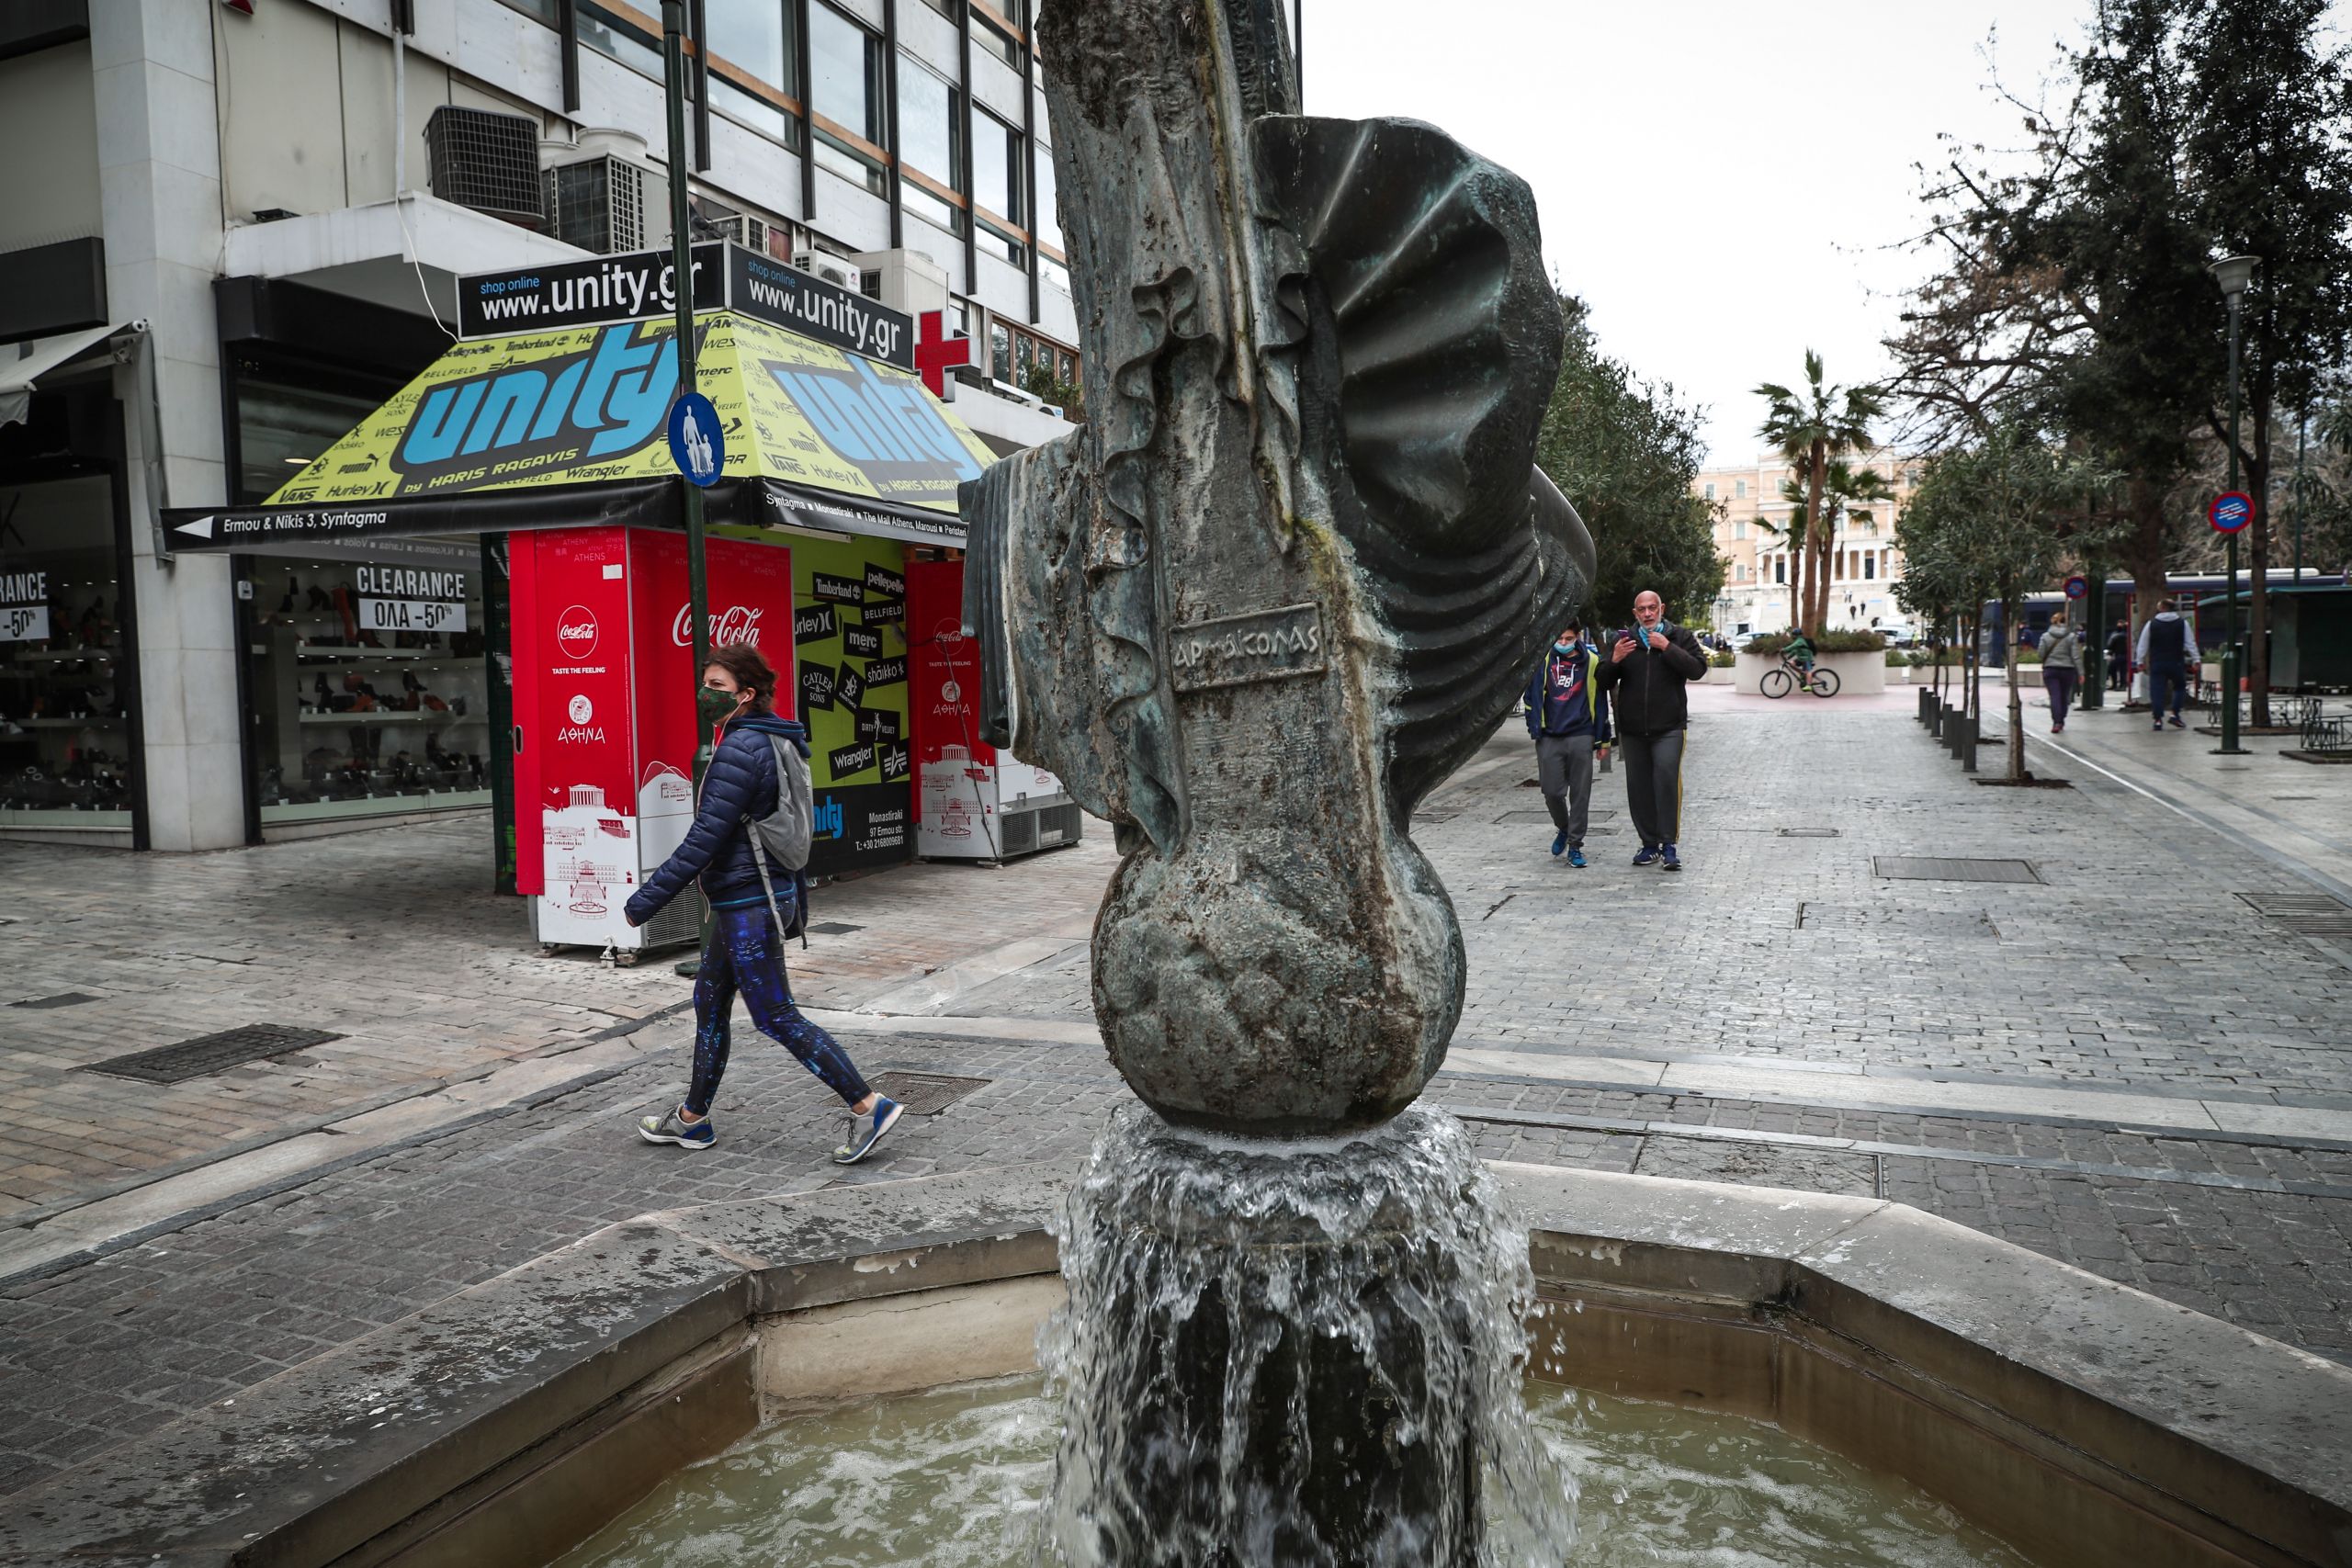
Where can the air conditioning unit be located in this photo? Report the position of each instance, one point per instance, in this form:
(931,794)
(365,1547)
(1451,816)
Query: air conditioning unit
(833,269)
(487,161)
(597,204)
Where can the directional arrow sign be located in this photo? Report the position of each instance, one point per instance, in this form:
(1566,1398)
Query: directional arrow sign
(200,527)
(2231,510)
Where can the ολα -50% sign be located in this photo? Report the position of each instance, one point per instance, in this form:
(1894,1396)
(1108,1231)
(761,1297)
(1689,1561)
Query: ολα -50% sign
(412,615)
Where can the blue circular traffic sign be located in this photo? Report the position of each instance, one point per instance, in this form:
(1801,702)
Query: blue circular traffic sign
(2078,587)
(2231,510)
(695,443)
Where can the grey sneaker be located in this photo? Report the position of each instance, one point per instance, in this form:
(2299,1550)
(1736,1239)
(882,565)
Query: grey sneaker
(670,1129)
(866,1130)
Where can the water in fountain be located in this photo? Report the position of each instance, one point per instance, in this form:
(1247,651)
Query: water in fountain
(1295,1354)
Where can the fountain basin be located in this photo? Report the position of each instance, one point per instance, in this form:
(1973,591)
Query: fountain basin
(2084,1422)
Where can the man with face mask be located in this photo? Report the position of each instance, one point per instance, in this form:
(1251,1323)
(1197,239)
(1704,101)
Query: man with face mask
(1648,671)
(1567,718)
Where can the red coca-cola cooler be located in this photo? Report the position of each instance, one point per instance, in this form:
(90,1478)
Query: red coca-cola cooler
(605,715)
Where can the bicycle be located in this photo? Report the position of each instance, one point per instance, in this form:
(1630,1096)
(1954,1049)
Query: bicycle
(1788,677)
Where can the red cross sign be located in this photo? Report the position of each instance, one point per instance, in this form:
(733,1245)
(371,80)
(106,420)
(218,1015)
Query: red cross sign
(936,352)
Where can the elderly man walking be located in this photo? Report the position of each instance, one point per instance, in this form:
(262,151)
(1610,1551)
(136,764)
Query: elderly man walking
(1648,668)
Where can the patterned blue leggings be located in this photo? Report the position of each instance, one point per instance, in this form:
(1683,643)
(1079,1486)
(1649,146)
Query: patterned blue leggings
(745,953)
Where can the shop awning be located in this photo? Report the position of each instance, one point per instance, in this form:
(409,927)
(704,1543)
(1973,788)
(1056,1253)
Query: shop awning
(568,428)
(23,364)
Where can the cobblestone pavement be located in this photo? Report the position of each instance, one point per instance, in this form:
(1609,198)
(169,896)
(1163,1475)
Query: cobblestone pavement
(2130,974)
(391,939)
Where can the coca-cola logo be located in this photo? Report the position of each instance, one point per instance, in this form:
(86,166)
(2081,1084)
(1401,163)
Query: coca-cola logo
(575,632)
(736,623)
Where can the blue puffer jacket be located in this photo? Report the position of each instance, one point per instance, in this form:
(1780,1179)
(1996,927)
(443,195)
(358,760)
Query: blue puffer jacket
(740,788)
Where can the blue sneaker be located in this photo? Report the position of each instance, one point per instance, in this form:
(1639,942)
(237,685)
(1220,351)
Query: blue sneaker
(670,1129)
(1575,858)
(1673,861)
(866,1130)
(1648,855)
(1559,843)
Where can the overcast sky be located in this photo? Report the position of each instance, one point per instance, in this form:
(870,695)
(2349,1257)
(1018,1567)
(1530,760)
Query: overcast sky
(1726,183)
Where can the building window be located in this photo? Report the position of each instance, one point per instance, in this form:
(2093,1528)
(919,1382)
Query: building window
(753,41)
(999,352)
(1869,567)
(928,123)
(1048,217)
(607,34)
(64,703)
(1739,489)
(845,79)
(1739,530)
(986,35)
(996,166)
(1711,492)
(1781,569)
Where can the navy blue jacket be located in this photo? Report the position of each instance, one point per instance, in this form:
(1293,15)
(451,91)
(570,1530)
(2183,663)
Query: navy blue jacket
(740,788)
(1596,697)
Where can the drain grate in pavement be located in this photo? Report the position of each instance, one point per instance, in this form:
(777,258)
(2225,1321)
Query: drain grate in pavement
(835,928)
(1808,832)
(926,1094)
(2305,914)
(64,1000)
(1929,868)
(210,1053)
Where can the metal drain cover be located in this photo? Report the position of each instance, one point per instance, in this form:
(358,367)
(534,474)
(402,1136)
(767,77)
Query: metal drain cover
(2305,914)
(66,1000)
(836,928)
(1808,832)
(1928,868)
(210,1053)
(926,1094)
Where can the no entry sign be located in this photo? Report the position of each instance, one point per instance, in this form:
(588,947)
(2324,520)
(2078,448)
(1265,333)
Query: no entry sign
(2231,510)
(2078,587)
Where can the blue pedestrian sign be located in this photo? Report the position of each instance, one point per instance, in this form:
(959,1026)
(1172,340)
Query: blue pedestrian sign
(2078,588)
(2231,510)
(695,443)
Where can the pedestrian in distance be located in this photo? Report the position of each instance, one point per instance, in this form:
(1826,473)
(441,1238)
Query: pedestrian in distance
(2118,657)
(1646,677)
(2062,667)
(2167,646)
(1567,718)
(753,906)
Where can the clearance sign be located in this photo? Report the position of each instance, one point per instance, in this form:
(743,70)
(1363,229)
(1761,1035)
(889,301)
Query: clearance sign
(585,406)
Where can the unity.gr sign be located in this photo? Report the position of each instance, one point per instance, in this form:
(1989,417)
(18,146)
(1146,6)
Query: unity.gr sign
(641,287)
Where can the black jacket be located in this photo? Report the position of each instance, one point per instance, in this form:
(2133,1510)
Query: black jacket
(1646,691)
(739,786)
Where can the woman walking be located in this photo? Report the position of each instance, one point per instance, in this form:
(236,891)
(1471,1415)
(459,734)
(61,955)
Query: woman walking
(745,951)
(2062,666)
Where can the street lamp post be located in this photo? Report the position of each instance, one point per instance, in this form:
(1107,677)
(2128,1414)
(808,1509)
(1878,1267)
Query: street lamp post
(673,76)
(2232,273)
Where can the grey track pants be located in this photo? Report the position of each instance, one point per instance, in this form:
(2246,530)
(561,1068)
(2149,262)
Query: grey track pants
(1563,767)
(1654,786)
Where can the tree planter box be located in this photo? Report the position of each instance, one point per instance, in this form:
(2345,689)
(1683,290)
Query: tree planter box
(1859,674)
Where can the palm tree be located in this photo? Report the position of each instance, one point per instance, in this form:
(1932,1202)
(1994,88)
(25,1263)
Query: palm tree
(1811,426)
(1846,492)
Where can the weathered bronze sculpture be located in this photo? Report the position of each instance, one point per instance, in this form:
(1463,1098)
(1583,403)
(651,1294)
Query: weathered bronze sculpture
(1292,570)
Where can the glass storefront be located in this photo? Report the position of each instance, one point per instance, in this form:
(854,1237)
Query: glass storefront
(65,735)
(369,681)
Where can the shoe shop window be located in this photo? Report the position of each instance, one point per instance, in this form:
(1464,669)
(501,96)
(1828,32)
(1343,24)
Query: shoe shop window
(65,724)
(370,685)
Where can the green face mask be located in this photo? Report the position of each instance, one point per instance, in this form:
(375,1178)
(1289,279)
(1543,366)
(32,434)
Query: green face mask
(712,705)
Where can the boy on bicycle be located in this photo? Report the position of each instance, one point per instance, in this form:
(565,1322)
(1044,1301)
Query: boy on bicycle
(1799,654)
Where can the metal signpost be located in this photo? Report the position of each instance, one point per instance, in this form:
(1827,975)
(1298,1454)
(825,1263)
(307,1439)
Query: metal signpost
(2085,618)
(674,77)
(2231,512)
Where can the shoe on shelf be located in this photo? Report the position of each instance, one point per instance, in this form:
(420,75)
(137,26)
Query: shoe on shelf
(866,1130)
(1559,843)
(1648,855)
(1575,858)
(674,1128)
(1673,862)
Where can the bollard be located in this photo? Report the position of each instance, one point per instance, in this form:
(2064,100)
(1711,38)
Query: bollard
(1927,701)
(1954,719)
(1936,720)
(1968,745)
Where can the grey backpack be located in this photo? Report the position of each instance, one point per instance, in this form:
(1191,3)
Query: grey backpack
(784,836)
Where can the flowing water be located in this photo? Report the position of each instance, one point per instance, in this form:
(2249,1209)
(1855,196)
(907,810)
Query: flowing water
(956,1478)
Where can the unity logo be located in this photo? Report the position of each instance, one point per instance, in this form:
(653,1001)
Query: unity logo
(884,425)
(598,401)
(575,632)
